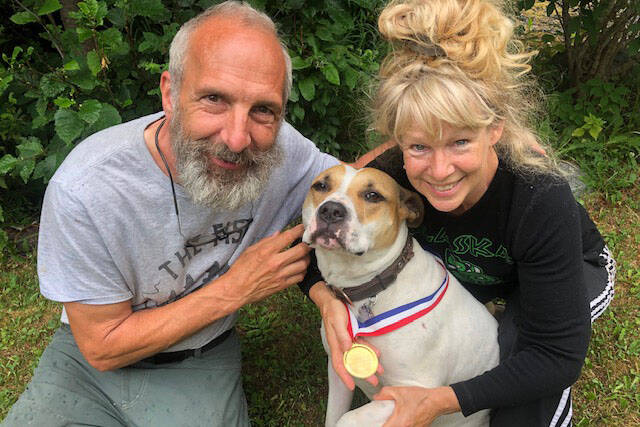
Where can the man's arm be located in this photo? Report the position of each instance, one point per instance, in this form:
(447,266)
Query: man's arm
(111,336)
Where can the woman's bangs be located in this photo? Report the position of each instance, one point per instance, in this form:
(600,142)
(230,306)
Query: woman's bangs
(426,106)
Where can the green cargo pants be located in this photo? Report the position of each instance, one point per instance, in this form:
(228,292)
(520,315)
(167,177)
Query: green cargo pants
(66,391)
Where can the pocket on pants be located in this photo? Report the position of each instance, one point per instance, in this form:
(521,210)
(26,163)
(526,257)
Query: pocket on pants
(133,386)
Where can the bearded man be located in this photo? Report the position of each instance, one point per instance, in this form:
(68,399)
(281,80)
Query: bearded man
(155,232)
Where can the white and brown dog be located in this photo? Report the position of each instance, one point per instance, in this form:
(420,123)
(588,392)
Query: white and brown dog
(357,222)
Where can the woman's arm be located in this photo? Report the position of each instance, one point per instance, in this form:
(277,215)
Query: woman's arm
(551,311)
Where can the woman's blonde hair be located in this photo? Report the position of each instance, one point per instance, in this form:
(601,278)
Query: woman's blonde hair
(455,61)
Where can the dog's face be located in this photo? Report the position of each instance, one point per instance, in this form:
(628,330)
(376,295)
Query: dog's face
(357,210)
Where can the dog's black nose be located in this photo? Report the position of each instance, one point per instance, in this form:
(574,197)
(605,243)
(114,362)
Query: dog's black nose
(332,212)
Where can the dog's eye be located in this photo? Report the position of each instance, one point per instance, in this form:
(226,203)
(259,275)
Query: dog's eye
(320,186)
(373,197)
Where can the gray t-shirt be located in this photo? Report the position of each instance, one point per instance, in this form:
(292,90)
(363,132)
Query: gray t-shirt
(109,233)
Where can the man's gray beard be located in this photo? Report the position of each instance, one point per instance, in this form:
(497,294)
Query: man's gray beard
(213,186)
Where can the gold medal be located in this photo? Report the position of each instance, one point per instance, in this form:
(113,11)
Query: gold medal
(360,361)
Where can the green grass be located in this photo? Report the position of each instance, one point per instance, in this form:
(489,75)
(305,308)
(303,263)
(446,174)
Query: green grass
(607,392)
(26,325)
(285,365)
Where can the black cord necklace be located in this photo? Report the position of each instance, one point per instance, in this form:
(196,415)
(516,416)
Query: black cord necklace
(166,165)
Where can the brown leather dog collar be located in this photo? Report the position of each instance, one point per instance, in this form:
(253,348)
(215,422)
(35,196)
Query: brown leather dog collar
(378,283)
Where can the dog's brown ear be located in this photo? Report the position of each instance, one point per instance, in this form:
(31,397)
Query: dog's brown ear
(411,207)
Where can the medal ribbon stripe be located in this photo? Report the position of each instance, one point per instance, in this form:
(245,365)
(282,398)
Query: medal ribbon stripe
(399,316)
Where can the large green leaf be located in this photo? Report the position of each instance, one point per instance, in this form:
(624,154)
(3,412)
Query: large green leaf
(4,83)
(45,168)
(109,116)
(331,74)
(50,85)
(71,65)
(90,110)
(84,79)
(25,168)
(39,121)
(22,18)
(63,102)
(49,6)
(149,8)
(307,88)
(324,33)
(41,106)
(93,62)
(111,37)
(298,112)
(7,162)
(69,125)
(151,42)
(30,148)
(350,77)
(84,34)
(297,63)
(93,10)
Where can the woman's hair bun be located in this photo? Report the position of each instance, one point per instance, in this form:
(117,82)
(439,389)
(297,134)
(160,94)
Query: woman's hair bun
(473,34)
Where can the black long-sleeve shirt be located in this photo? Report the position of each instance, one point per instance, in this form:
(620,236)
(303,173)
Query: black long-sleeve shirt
(524,241)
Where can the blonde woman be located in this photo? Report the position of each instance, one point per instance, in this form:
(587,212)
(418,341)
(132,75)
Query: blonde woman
(453,99)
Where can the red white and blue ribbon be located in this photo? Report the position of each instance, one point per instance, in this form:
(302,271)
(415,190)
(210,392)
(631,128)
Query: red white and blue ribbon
(399,316)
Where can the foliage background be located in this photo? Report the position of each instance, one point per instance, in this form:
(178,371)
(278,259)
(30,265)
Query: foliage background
(72,68)
(69,68)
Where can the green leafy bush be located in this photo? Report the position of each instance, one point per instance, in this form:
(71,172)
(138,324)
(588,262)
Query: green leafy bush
(590,66)
(70,69)
(335,51)
(598,128)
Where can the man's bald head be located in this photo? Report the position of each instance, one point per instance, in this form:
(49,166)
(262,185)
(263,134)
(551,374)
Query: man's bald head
(240,14)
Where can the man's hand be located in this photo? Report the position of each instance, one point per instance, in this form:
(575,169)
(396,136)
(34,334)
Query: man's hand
(334,317)
(267,267)
(418,406)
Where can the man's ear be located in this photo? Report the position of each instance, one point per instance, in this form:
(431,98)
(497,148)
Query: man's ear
(165,90)
(411,207)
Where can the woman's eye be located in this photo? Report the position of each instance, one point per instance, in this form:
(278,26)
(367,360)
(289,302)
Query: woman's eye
(320,186)
(461,142)
(373,197)
(418,147)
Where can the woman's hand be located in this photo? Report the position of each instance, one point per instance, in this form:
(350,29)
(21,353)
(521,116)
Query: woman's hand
(418,406)
(334,317)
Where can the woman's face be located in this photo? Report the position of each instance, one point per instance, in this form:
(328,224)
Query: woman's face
(452,172)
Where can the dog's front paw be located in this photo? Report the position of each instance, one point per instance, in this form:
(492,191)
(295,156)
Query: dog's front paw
(373,414)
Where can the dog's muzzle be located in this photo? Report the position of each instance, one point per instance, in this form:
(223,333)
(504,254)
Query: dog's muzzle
(332,220)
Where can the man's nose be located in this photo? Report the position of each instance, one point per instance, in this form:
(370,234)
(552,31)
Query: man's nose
(441,166)
(235,131)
